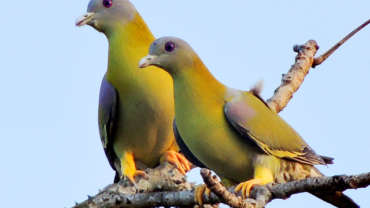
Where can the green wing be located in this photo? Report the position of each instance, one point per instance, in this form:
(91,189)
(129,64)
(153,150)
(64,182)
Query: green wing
(253,120)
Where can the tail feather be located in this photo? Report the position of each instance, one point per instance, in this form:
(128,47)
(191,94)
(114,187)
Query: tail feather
(327,160)
(338,199)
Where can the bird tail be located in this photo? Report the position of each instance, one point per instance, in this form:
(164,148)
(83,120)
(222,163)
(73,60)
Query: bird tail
(336,198)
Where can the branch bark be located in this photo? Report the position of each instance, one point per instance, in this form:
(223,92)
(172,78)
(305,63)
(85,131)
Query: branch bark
(291,81)
(164,178)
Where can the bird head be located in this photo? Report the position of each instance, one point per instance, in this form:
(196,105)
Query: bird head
(104,15)
(171,54)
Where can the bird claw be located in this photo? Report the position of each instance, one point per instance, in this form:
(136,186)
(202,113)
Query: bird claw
(246,187)
(199,192)
(140,173)
(178,160)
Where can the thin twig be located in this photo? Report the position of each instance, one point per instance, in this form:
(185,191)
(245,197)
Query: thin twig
(326,55)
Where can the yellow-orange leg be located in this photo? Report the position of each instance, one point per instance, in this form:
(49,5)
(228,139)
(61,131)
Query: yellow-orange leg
(262,176)
(178,160)
(199,192)
(246,187)
(137,173)
(128,167)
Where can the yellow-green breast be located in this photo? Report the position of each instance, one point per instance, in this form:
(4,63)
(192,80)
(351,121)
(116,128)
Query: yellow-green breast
(200,119)
(146,106)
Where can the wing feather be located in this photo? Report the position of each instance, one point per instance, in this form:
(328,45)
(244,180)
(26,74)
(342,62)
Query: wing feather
(108,99)
(253,120)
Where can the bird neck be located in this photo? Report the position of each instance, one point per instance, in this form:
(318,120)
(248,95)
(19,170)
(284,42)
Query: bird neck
(198,84)
(128,43)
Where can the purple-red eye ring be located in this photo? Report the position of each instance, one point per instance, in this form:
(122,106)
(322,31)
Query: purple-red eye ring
(169,46)
(107,3)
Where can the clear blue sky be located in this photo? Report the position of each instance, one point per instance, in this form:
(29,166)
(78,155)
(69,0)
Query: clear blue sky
(51,155)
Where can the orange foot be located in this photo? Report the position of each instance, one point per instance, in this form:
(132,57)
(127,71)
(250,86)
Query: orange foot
(178,160)
(247,186)
(131,177)
(199,192)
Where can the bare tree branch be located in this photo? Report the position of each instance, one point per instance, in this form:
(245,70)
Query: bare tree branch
(291,81)
(261,195)
(326,55)
(304,62)
(165,178)
(154,199)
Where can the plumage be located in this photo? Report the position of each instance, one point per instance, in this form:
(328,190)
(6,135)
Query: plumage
(280,140)
(233,132)
(135,111)
(189,155)
(106,118)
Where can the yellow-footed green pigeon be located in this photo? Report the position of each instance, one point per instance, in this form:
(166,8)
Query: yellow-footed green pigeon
(136,108)
(230,131)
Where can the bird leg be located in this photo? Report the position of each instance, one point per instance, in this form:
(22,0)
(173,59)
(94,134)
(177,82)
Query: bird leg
(178,160)
(262,176)
(128,167)
(199,192)
(246,187)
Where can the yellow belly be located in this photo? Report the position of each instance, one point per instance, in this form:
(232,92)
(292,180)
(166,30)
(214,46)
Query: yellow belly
(146,135)
(213,141)
(145,115)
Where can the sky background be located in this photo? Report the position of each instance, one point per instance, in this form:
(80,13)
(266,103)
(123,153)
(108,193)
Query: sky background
(51,154)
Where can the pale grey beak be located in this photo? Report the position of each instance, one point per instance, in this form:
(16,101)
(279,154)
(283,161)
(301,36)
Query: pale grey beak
(85,19)
(147,61)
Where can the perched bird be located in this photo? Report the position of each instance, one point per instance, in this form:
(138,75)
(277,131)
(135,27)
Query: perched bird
(136,108)
(230,131)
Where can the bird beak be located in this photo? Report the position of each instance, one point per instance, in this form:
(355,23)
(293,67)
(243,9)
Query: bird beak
(147,61)
(85,19)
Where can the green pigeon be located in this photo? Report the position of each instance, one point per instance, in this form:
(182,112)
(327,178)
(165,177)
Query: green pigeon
(136,108)
(230,131)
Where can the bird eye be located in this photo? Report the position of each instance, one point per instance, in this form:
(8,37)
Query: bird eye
(107,3)
(170,46)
